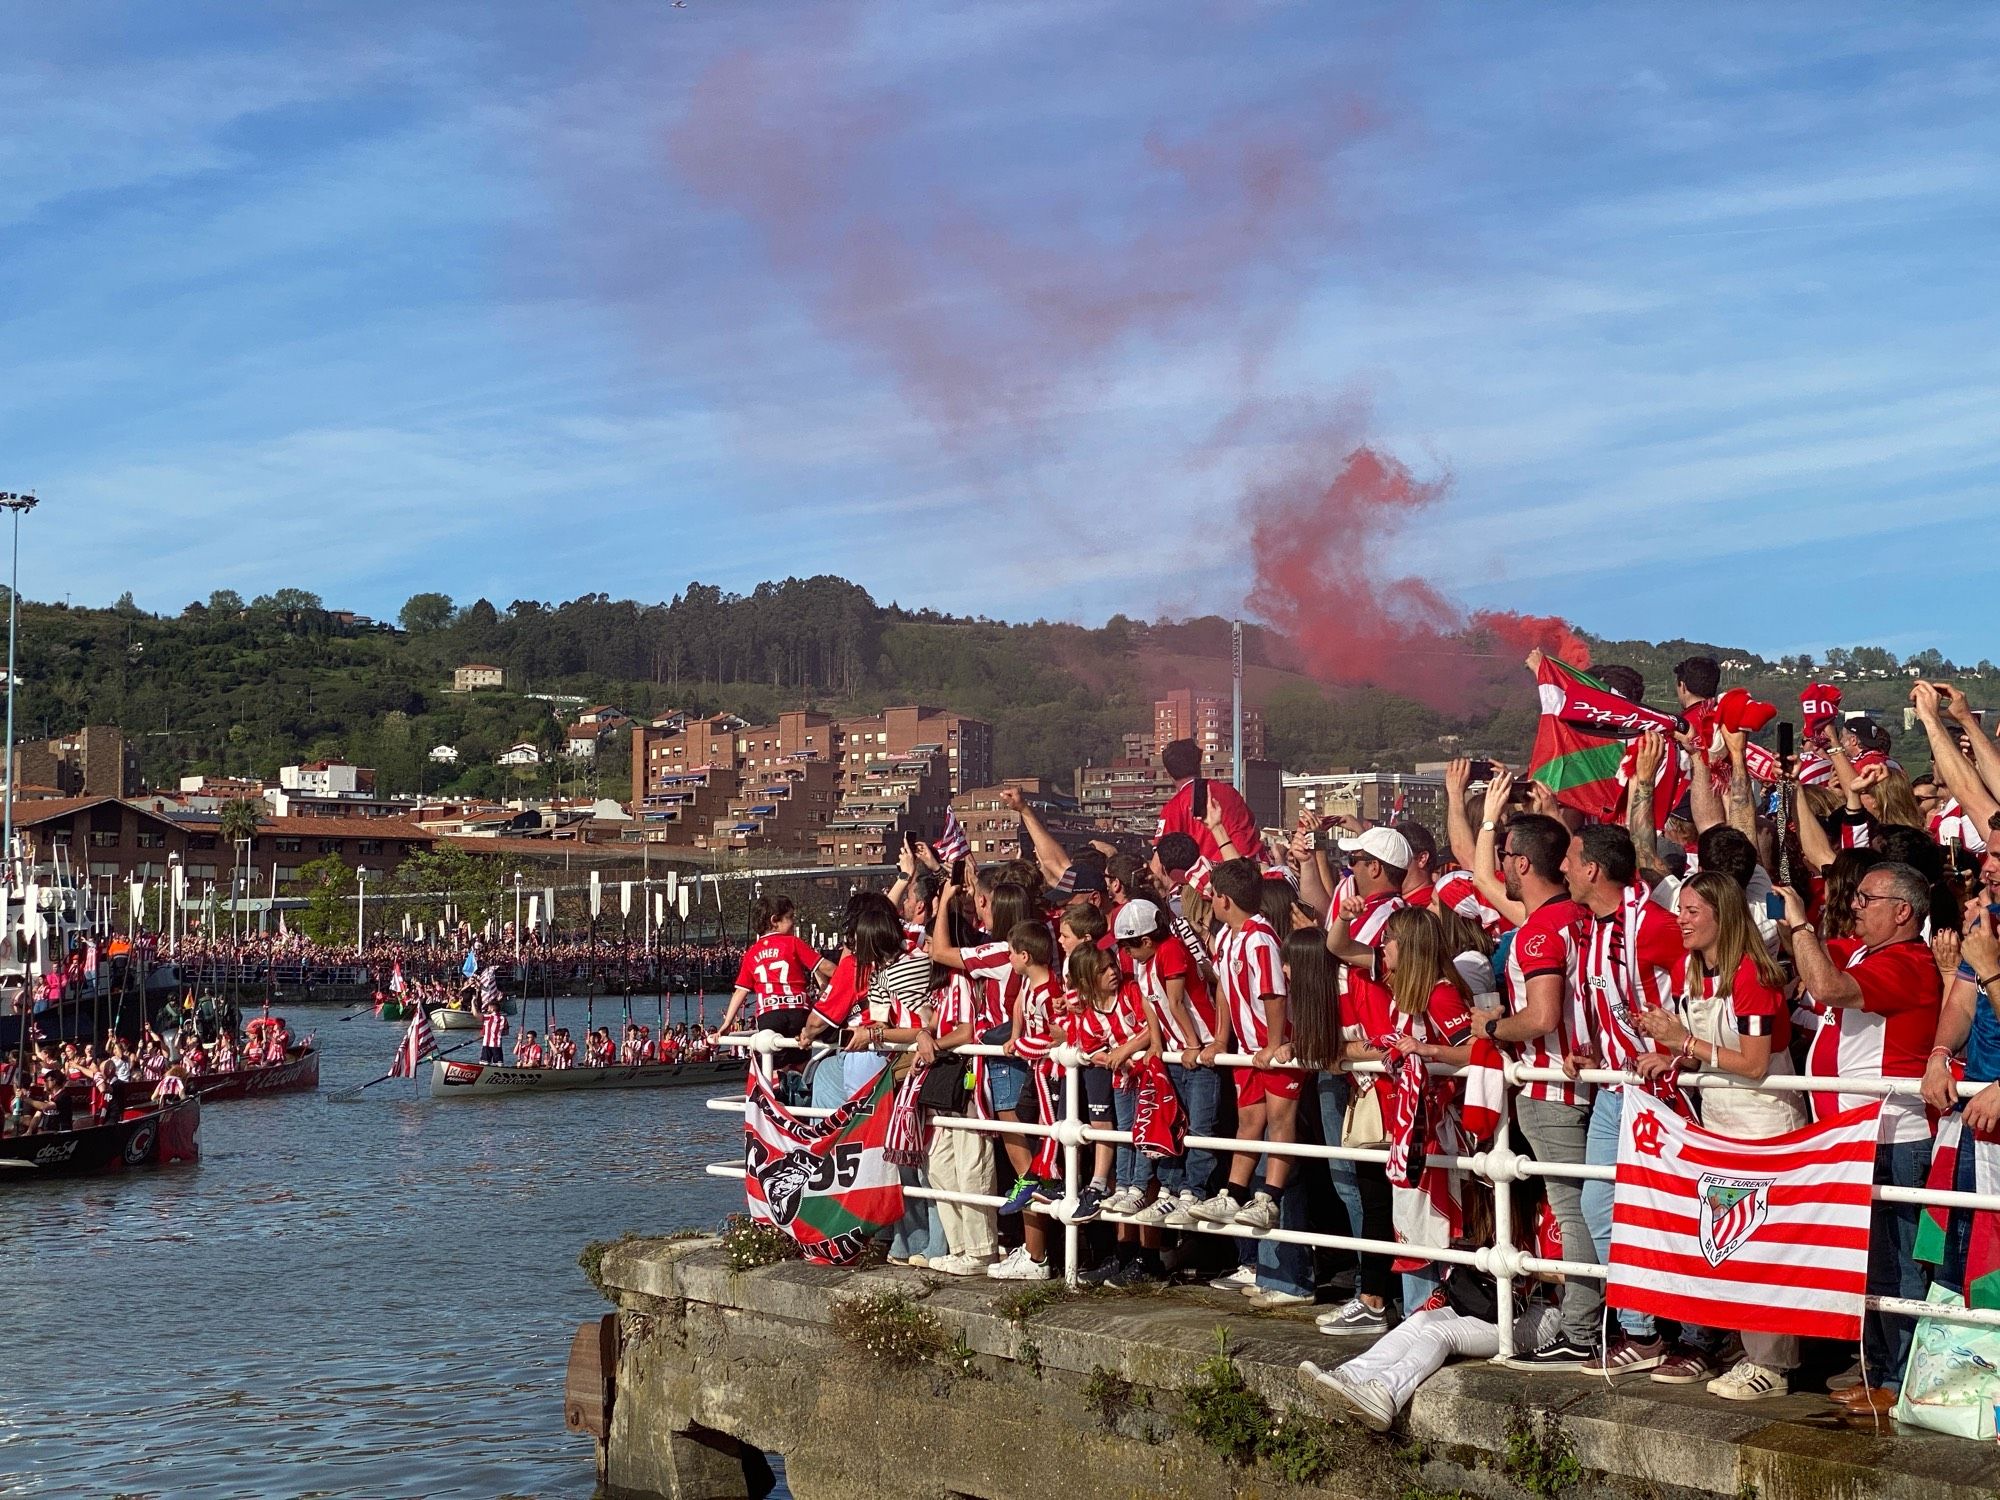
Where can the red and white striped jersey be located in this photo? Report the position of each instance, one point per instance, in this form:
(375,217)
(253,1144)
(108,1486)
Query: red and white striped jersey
(1950,825)
(1628,967)
(1888,1035)
(1550,941)
(492,1027)
(1457,890)
(1173,961)
(1249,965)
(992,972)
(1367,928)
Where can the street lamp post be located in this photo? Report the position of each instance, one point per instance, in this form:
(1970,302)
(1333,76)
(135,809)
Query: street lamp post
(18,504)
(360,909)
(517,917)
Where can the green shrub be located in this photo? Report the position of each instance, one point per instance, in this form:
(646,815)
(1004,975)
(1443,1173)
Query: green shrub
(893,1329)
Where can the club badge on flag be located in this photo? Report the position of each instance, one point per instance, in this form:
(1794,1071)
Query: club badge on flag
(1765,1236)
(827,1183)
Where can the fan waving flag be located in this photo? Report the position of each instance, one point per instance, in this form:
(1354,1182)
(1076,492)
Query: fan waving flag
(952,843)
(1581,740)
(826,1182)
(419,1043)
(1768,1236)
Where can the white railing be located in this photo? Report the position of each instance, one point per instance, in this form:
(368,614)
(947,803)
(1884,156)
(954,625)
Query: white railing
(1498,1164)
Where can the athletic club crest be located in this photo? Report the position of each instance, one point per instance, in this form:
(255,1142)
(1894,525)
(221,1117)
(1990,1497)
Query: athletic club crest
(1731,1210)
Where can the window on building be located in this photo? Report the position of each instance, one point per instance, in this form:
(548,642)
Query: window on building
(329,846)
(102,870)
(152,841)
(59,837)
(200,872)
(368,846)
(202,841)
(290,846)
(99,839)
(287,874)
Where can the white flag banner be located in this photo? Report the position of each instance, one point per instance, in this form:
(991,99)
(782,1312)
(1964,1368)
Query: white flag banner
(596,895)
(549,904)
(179,881)
(138,900)
(624,898)
(684,903)
(716,883)
(673,883)
(659,908)
(420,933)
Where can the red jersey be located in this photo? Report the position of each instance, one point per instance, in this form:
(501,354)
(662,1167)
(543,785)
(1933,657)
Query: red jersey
(775,971)
(1173,961)
(1550,941)
(1178,817)
(1249,965)
(1459,891)
(1751,1008)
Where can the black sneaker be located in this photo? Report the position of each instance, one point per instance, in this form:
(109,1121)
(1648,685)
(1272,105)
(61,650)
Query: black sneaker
(1138,1271)
(1105,1273)
(1089,1204)
(1559,1353)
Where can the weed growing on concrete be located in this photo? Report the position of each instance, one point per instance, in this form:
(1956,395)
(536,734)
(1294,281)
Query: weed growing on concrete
(1221,1410)
(592,1259)
(1107,1393)
(959,1357)
(1023,1302)
(1029,1357)
(891,1328)
(1416,1489)
(749,1244)
(1300,1445)
(1539,1455)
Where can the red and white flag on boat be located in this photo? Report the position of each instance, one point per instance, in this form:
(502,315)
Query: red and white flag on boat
(419,1043)
(1767,1236)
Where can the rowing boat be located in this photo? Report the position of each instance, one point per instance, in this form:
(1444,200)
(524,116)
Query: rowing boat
(453,1079)
(148,1137)
(444,1018)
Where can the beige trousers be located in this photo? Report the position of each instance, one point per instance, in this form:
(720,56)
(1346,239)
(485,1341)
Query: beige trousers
(962,1162)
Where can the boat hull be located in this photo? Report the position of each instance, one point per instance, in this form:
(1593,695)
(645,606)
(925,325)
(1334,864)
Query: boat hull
(446,1019)
(294,1075)
(453,1079)
(150,1138)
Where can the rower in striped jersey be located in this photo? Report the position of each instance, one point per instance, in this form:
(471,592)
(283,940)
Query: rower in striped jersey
(492,1031)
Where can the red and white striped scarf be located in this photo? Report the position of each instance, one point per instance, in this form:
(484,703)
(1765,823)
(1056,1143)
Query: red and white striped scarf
(908,1143)
(1158,1127)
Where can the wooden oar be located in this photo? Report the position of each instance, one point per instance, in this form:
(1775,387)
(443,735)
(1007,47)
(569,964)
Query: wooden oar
(348,1096)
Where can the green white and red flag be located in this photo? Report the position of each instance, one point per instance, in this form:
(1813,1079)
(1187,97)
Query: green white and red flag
(826,1182)
(1963,1161)
(1582,739)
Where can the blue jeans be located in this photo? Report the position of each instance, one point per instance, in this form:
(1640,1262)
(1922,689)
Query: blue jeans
(1600,1149)
(1892,1267)
(1333,1090)
(1418,1286)
(1135,1168)
(920,1231)
(829,1082)
(1200,1091)
(1283,1267)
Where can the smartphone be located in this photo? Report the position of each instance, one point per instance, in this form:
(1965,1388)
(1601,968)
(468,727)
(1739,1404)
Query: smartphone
(1784,741)
(910,841)
(961,872)
(1482,769)
(1198,799)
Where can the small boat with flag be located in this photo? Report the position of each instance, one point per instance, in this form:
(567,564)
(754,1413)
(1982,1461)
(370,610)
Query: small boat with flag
(454,1079)
(151,1136)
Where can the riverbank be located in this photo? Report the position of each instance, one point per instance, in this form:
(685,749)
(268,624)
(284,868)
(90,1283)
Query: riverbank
(887,1382)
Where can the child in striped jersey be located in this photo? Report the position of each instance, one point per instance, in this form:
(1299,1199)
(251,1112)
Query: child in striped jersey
(1094,1022)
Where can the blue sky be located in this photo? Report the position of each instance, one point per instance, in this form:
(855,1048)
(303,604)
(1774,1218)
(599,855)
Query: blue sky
(1695,304)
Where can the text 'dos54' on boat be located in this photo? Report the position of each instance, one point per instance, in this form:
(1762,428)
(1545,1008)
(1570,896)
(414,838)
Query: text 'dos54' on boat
(149,1137)
(453,1079)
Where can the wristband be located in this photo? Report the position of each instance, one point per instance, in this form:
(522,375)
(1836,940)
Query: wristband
(1988,979)
(1798,927)
(1937,1052)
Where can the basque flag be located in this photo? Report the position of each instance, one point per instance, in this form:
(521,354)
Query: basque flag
(827,1183)
(1770,1236)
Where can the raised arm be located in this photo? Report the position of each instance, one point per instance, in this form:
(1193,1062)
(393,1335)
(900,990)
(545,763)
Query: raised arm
(1457,829)
(1650,754)
(1970,783)
(1486,850)
(1050,855)
(1741,809)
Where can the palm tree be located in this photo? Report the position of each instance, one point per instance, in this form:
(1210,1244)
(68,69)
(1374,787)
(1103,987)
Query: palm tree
(240,818)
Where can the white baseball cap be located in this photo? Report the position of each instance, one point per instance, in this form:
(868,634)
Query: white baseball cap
(1136,919)
(1384,844)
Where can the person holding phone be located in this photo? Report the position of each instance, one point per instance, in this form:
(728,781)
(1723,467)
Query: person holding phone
(1196,800)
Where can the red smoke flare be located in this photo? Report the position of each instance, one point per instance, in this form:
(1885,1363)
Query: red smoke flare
(1325,580)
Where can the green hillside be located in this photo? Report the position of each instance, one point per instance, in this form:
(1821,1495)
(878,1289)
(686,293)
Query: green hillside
(240,688)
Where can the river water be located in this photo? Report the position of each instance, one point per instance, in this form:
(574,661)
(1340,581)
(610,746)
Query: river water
(372,1298)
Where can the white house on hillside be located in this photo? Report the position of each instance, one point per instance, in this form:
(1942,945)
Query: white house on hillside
(523,754)
(444,755)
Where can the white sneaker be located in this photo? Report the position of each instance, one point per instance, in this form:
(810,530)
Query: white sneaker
(1272,1297)
(1020,1266)
(1180,1213)
(1157,1214)
(1748,1381)
(1125,1201)
(1221,1209)
(958,1265)
(1242,1279)
(1353,1316)
(1369,1399)
(1261,1212)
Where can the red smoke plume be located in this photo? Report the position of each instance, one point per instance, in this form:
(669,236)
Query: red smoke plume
(1324,578)
(992,321)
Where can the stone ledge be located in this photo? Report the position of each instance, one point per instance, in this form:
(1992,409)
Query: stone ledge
(1645,1439)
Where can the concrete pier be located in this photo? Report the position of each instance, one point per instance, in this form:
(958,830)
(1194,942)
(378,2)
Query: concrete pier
(1084,1396)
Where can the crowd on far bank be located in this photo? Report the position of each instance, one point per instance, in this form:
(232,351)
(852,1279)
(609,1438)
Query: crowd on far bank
(1661,943)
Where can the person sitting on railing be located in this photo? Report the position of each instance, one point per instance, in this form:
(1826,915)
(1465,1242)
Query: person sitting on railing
(1883,993)
(778,971)
(1250,970)
(1727,1014)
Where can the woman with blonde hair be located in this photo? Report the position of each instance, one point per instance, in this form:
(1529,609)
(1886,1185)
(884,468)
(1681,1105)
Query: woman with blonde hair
(1727,1015)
